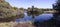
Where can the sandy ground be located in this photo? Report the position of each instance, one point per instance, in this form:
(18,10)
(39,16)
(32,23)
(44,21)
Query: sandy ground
(17,24)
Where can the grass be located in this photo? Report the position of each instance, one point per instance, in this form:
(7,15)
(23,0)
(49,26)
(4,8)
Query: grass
(20,24)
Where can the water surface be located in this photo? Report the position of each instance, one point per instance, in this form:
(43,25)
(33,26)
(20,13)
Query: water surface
(41,17)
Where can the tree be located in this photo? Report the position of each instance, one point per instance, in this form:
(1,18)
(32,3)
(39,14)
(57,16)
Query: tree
(57,8)
(14,8)
(6,12)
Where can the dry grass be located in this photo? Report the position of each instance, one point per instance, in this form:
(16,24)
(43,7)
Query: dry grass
(18,24)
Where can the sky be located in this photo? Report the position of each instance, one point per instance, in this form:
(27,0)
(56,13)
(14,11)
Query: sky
(29,3)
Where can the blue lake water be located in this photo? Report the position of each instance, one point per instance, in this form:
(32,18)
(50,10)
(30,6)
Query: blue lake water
(41,17)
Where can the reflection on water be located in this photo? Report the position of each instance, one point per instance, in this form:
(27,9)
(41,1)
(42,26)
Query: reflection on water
(41,17)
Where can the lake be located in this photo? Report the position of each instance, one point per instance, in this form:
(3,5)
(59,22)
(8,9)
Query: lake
(41,17)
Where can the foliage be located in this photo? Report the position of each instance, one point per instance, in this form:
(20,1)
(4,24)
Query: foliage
(36,11)
(57,8)
(6,10)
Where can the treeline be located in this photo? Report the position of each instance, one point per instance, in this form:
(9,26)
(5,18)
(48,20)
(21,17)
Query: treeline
(37,11)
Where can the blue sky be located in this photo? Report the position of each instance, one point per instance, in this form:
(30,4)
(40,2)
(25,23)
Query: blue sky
(29,3)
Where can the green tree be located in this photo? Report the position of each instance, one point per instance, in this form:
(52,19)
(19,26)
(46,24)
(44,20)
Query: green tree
(6,11)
